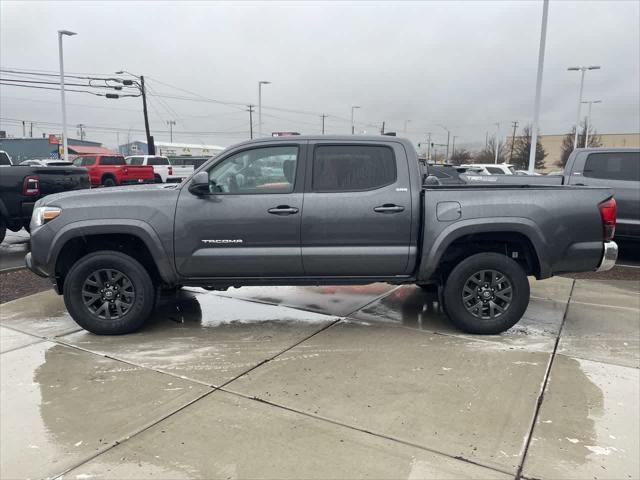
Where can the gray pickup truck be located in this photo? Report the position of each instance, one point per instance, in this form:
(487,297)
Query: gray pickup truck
(310,210)
(616,168)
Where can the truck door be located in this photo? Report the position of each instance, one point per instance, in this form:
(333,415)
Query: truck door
(620,171)
(357,210)
(249,224)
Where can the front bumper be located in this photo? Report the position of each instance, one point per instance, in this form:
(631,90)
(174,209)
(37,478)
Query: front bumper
(609,257)
(28,260)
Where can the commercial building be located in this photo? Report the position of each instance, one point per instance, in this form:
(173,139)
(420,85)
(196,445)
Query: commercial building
(20,149)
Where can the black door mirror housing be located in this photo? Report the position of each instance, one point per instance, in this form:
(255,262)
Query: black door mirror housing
(199,184)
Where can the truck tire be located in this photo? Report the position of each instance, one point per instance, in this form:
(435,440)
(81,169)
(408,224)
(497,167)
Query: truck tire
(157,178)
(486,293)
(109,293)
(108,182)
(3,229)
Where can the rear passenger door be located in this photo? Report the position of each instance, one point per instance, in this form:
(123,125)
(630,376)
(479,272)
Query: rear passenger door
(357,210)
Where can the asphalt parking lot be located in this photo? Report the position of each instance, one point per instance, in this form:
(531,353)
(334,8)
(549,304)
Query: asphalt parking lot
(326,382)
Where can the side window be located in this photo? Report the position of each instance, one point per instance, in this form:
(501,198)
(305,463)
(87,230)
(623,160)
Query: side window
(158,161)
(349,168)
(84,161)
(259,170)
(135,160)
(108,160)
(495,170)
(613,166)
(4,159)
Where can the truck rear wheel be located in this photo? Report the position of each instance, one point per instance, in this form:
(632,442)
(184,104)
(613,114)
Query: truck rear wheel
(3,229)
(108,182)
(109,293)
(486,293)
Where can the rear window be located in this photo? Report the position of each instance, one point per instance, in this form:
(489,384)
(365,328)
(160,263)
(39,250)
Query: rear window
(106,160)
(348,168)
(4,159)
(613,166)
(158,161)
(135,160)
(84,161)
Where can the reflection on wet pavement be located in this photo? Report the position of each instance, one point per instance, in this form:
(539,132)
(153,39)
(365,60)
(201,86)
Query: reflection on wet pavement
(588,425)
(59,406)
(405,393)
(331,300)
(208,338)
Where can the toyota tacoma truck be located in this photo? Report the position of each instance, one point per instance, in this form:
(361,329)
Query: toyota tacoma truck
(112,170)
(311,210)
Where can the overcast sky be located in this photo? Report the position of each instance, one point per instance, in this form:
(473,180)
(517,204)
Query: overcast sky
(466,65)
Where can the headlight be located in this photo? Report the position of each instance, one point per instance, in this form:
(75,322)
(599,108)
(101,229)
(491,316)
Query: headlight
(42,215)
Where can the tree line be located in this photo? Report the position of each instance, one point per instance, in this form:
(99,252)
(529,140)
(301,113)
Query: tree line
(518,154)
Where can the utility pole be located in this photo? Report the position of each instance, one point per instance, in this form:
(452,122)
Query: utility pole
(24,129)
(151,148)
(497,143)
(353,127)
(513,139)
(453,147)
(323,117)
(81,130)
(428,146)
(31,130)
(250,120)
(171,123)
(382,129)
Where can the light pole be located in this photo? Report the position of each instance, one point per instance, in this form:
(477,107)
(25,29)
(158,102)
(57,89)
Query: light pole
(497,144)
(588,122)
(446,157)
(65,152)
(405,125)
(171,123)
(536,107)
(353,127)
(260,83)
(453,145)
(582,70)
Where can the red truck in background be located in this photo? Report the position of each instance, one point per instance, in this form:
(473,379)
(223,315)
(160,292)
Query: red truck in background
(112,170)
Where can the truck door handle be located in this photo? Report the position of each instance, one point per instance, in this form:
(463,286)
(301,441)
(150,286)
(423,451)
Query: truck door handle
(283,210)
(389,208)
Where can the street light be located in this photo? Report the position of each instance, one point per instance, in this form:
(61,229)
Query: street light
(353,127)
(171,123)
(497,143)
(588,122)
(582,69)
(446,158)
(260,83)
(65,152)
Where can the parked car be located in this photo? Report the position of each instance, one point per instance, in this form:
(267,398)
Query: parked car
(525,172)
(490,168)
(163,169)
(46,162)
(112,170)
(616,168)
(21,186)
(446,173)
(240,220)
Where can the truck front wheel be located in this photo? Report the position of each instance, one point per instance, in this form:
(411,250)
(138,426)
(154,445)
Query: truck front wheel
(109,293)
(486,293)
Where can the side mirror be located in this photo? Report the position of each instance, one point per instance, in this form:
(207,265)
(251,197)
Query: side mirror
(431,181)
(199,184)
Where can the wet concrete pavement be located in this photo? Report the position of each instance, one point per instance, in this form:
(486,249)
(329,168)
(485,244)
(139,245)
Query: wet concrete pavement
(325,382)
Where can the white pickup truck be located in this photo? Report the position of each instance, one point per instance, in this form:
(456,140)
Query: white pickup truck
(163,170)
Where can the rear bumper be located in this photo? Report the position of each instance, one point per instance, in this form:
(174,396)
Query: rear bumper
(609,257)
(138,181)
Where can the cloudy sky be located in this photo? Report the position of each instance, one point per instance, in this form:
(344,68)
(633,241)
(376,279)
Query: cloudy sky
(465,65)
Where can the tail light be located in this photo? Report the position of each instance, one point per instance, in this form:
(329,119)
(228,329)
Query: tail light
(608,213)
(31,186)
(170,170)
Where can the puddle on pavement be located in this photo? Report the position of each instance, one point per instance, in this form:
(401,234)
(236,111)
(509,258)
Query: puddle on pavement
(588,423)
(330,299)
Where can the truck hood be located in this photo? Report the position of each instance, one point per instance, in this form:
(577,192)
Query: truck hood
(104,196)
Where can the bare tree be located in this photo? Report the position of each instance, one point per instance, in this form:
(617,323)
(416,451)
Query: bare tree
(522,149)
(461,156)
(488,154)
(567,141)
